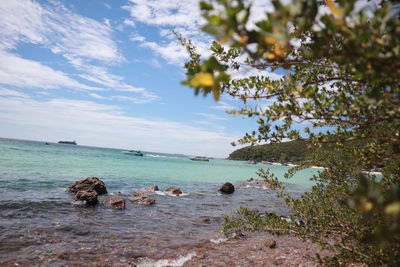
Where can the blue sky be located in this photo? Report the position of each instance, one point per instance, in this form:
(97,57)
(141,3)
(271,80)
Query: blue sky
(107,73)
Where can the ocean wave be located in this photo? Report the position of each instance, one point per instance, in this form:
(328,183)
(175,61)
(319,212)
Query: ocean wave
(219,240)
(155,156)
(180,261)
(164,193)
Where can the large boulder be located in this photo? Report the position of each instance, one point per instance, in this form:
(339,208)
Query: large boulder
(88,197)
(116,202)
(142,199)
(89,184)
(227,188)
(173,190)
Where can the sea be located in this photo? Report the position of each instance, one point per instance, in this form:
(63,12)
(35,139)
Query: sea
(41,225)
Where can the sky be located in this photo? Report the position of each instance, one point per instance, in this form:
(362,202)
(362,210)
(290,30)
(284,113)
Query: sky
(107,73)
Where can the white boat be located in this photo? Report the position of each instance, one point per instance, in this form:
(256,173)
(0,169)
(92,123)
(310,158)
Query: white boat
(133,153)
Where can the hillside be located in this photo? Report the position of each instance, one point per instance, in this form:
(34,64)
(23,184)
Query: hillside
(293,151)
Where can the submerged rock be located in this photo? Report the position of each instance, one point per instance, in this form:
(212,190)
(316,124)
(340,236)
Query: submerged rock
(227,188)
(89,184)
(142,199)
(116,202)
(89,197)
(174,190)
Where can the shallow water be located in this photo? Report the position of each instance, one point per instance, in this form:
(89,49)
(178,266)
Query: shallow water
(40,224)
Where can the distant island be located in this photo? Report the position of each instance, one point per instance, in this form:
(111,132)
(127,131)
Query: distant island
(68,142)
(287,152)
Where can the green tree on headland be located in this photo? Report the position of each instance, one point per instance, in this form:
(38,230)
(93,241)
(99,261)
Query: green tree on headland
(286,152)
(341,84)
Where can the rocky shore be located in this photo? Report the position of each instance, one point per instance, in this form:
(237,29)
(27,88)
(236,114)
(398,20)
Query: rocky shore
(255,249)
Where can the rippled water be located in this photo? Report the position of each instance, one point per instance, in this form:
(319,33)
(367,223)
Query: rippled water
(41,226)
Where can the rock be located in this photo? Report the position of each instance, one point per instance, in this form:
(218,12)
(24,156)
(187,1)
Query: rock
(227,188)
(173,190)
(89,197)
(142,199)
(280,260)
(89,184)
(116,202)
(270,243)
(206,219)
(152,188)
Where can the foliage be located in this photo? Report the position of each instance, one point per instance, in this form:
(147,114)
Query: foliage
(341,84)
(293,151)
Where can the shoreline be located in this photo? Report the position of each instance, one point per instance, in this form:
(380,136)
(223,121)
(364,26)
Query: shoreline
(253,249)
(311,167)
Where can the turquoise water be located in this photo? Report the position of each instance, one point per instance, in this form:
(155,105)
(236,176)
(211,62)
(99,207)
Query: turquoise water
(56,166)
(40,221)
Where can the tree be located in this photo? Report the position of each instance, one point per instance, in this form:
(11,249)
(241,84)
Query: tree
(341,85)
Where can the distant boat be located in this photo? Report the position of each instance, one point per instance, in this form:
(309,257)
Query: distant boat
(199,159)
(67,142)
(47,143)
(133,153)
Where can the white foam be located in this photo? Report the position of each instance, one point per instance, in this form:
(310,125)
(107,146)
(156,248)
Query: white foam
(317,167)
(164,193)
(219,240)
(77,202)
(162,263)
(155,156)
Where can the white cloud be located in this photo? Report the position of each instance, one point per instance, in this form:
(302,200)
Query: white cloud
(119,98)
(17,71)
(223,106)
(129,22)
(182,16)
(101,76)
(166,13)
(8,92)
(106,125)
(57,28)
(258,12)
(172,51)
(108,6)
(107,22)
(82,41)
(97,96)
(138,38)
(212,117)
(250,71)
